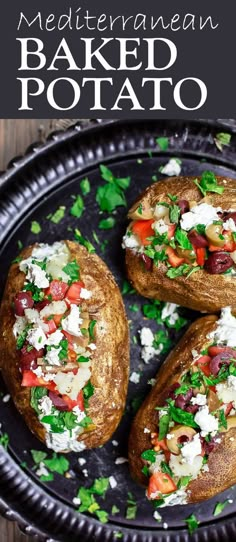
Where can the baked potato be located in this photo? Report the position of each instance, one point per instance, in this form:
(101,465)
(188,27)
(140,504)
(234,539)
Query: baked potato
(181,242)
(64,345)
(182,444)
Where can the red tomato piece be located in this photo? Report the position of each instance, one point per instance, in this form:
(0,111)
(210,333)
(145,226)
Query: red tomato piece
(174,260)
(162,483)
(57,319)
(73,294)
(31,380)
(229,408)
(203,364)
(201,255)
(52,327)
(143,229)
(171,231)
(215,350)
(229,246)
(78,402)
(57,290)
(213,248)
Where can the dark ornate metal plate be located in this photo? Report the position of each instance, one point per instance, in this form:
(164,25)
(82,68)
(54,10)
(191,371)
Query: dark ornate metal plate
(31,189)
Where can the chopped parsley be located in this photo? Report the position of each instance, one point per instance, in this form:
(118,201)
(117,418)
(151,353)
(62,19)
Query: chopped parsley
(63,353)
(60,422)
(222,139)
(85,242)
(134,308)
(163,143)
(181,237)
(92,325)
(58,215)
(37,393)
(172,198)
(77,208)
(208,183)
(72,270)
(22,337)
(111,195)
(4,440)
(88,391)
(222,419)
(149,455)
(131,509)
(174,214)
(163,426)
(19,244)
(219,507)
(35,227)
(37,293)
(85,186)
(57,463)
(114,510)
(127,288)
(192,523)
(107,223)
(88,501)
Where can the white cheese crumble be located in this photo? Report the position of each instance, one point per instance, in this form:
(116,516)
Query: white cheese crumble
(157,516)
(72,322)
(37,275)
(169,311)
(76,501)
(146,336)
(225,332)
(205,468)
(172,168)
(52,357)
(207,422)
(60,442)
(85,473)
(85,294)
(121,460)
(112,482)
(45,405)
(146,430)
(37,338)
(19,325)
(200,214)
(6,398)
(56,307)
(177,498)
(160,226)
(200,399)
(165,525)
(135,377)
(55,338)
(82,461)
(226,391)
(38,372)
(229,225)
(114,442)
(148,352)
(42,471)
(130,241)
(191,449)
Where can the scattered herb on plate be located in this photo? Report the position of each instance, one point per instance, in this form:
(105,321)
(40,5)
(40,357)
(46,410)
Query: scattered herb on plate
(192,523)
(219,507)
(35,227)
(107,223)
(77,208)
(131,509)
(83,241)
(222,139)
(4,440)
(58,215)
(111,195)
(85,186)
(163,143)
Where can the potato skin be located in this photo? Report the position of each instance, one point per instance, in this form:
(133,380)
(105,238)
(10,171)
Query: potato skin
(222,461)
(110,365)
(201,291)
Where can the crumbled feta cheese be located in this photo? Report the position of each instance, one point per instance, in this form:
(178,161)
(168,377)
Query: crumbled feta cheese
(37,275)
(152,382)
(114,443)
(72,322)
(82,461)
(37,338)
(42,471)
(60,442)
(52,357)
(130,241)
(146,336)
(38,371)
(175,499)
(218,440)
(85,294)
(43,250)
(55,338)
(169,311)
(169,436)
(200,399)
(92,346)
(135,377)
(226,391)
(19,325)
(160,226)
(45,405)
(6,398)
(160,209)
(225,332)
(156,466)
(165,525)
(112,482)
(230,501)
(205,468)
(162,413)
(172,168)
(148,352)
(157,516)
(85,473)
(49,377)
(121,460)
(56,307)
(191,449)
(229,225)
(207,422)
(200,214)
(76,501)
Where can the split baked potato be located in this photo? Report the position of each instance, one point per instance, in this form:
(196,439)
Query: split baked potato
(181,242)
(64,345)
(182,444)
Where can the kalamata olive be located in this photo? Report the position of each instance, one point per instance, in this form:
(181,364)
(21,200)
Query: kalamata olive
(209,447)
(197,240)
(28,358)
(230,215)
(40,306)
(221,359)
(147,262)
(183,205)
(218,262)
(171,391)
(181,400)
(22,301)
(58,402)
(192,409)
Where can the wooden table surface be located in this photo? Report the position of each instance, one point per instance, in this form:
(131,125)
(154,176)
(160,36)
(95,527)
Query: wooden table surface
(15,137)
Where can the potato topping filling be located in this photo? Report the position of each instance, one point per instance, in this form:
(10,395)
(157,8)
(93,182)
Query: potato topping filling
(56,336)
(187,236)
(197,409)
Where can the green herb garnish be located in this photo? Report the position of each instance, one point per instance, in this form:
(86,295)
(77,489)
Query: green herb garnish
(77,208)
(85,242)
(149,455)
(72,270)
(85,186)
(219,507)
(222,139)
(58,215)
(111,195)
(208,183)
(35,227)
(92,325)
(107,223)
(163,143)
(192,523)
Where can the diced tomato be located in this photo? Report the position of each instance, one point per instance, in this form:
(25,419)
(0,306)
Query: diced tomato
(171,231)
(143,229)
(162,483)
(31,380)
(203,364)
(78,402)
(215,350)
(73,294)
(229,245)
(201,255)
(229,408)
(69,337)
(213,248)
(57,290)
(51,326)
(57,319)
(173,259)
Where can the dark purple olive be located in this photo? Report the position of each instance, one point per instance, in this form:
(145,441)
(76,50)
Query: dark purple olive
(192,409)
(28,357)
(58,402)
(221,359)
(218,262)
(170,392)
(230,215)
(182,401)
(209,447)
(197,240)
(22,301)
(147,262)
(183,205)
